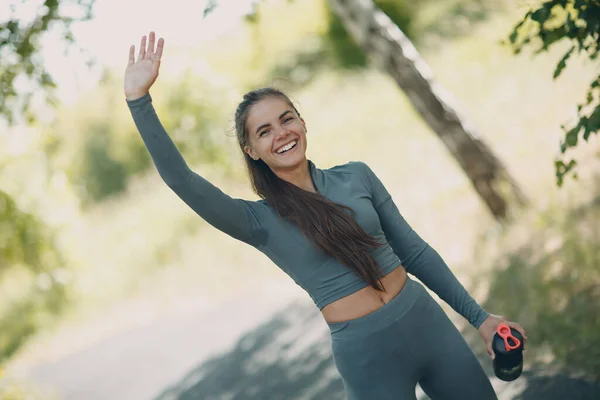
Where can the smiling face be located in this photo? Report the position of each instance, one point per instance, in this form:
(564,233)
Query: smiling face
(276,134)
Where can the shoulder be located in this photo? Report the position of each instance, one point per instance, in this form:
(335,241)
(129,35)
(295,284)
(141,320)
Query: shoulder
(351,167)
(358,170)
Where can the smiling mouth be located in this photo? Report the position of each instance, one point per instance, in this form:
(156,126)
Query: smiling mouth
(287,147)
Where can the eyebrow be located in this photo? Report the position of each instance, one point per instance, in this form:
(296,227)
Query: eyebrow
(265,125)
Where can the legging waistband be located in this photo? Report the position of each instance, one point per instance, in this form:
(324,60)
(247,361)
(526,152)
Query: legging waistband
(379,318)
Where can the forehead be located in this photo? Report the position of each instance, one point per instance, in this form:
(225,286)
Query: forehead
(266,111)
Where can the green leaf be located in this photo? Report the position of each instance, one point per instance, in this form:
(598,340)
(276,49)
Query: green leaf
(562,170)
(563,62)
(525,17)
(559,168)
(589,98)
(513,37)
(571,136)
(210,7)
(549,37)
(593,124)
(515,33)
(540,15)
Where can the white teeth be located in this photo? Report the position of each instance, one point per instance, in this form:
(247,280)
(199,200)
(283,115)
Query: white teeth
(286,147)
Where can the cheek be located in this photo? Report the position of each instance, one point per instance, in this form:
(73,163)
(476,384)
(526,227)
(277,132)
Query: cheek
(262,146)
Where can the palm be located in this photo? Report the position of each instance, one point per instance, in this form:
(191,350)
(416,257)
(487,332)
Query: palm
(141,74)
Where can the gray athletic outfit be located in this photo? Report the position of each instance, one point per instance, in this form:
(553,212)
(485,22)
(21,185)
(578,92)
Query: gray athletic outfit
(381,355)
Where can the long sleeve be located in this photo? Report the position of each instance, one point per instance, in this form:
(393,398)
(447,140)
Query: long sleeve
(420,259)
(235,217)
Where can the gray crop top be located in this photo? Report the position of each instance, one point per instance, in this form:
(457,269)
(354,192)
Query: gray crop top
(255,223)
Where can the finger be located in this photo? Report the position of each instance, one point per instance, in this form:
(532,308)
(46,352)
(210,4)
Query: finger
(159,49)
(150,51)
(490,351)
(131,55)
(142,52)
(520,329)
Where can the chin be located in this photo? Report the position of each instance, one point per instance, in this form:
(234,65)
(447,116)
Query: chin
(291,162)
(296,161)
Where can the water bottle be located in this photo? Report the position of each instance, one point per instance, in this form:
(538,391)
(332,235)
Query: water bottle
(507,345)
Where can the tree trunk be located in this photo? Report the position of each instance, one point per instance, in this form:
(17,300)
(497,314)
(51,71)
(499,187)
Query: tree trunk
(386,45)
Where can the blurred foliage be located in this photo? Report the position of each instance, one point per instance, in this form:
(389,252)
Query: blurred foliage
(37,309)
(275,50)
(23,238)
(12,388)
(329,46)
(196,114)
(345,53)
(98,174)
(32,277)
(11,391)
(101,154)
(97,153)
(551,285)
(577,22)
(450,19)
(20,51)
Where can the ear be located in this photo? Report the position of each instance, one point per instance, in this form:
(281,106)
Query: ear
(304,125)
(250,151)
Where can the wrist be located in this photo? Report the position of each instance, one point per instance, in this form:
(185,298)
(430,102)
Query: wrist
(481,318)
(134,95)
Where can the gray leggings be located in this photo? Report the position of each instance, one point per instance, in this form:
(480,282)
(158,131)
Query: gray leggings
(384,354)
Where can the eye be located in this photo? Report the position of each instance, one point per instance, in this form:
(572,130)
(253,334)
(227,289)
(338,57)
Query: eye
(286,120)
(263,133)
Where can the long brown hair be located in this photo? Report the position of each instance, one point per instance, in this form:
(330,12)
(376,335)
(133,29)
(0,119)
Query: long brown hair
(329,225)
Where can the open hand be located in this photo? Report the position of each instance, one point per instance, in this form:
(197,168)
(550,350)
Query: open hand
(488,328)
(141,74)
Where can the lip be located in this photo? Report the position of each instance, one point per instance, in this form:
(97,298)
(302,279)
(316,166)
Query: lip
(283,145)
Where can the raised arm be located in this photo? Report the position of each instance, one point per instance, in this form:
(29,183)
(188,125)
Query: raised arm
(235,217)
(417,257)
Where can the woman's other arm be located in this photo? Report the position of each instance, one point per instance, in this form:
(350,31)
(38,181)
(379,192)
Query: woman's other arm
(417,257)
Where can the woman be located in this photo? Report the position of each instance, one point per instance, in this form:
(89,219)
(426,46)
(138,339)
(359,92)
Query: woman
(339,235)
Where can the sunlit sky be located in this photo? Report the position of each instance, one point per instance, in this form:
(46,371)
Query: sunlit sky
(119,23)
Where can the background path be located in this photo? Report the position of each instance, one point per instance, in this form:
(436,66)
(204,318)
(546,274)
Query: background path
(267,343)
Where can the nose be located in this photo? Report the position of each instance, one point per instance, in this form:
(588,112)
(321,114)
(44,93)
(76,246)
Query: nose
(282,133)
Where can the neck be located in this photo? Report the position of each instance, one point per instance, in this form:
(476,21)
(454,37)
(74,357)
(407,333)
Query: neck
(299,176)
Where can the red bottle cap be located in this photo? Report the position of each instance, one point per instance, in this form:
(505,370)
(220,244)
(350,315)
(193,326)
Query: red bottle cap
(505,333)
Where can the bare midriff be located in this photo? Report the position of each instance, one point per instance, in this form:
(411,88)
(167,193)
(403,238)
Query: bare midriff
(367,299)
